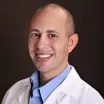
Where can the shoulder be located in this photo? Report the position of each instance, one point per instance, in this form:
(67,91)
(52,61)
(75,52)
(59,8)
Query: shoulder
(89,94)
(82,91)
(20,84)
(16,89)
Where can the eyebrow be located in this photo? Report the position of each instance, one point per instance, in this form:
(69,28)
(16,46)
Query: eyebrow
(36,30)
(48,31)
(52,31)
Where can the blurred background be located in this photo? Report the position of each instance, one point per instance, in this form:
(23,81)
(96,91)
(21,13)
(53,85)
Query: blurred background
(87,58)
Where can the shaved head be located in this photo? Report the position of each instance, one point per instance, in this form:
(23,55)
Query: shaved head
(69,22)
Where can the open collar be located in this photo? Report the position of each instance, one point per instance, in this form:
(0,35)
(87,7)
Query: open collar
(49,87)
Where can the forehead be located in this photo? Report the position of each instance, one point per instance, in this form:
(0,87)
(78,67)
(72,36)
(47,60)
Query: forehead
(49,19)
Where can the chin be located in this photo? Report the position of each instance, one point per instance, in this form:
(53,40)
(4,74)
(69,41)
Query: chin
(42,68)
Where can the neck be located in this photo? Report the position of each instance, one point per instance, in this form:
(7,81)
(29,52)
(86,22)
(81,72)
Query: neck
(46,77)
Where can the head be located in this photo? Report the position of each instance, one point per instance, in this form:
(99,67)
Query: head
(51,38)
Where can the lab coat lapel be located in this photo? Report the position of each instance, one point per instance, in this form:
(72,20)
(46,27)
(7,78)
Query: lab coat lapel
(23,98)
(67,91)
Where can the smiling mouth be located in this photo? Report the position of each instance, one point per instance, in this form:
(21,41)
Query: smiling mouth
(43,57)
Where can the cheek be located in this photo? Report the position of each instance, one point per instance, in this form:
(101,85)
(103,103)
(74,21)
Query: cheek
(61,49)
(30,45)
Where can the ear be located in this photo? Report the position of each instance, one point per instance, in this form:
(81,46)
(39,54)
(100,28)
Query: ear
(73,40)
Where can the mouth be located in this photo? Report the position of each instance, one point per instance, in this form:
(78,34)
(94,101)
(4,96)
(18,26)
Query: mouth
(43,57)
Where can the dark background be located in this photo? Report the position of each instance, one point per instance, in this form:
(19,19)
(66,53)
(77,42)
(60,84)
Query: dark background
(15,63)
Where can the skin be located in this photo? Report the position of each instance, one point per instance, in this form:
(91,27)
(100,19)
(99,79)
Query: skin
(48,37)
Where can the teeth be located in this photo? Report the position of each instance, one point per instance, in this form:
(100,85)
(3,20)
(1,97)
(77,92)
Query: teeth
(43,56)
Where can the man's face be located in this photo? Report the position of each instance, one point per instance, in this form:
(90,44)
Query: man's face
(48,42)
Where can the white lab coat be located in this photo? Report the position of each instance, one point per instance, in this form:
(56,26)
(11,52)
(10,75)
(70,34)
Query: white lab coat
(73,90)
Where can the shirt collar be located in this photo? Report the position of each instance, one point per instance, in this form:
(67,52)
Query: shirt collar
(35,80)
(49,87)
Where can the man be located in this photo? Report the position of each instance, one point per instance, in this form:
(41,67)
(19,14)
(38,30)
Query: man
(52,37)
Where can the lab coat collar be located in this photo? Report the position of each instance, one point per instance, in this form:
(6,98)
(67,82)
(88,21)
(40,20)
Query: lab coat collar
(24,93)
(72,84)
(69,89)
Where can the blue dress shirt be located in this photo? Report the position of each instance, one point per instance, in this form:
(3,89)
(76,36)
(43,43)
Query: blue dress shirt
(40,94)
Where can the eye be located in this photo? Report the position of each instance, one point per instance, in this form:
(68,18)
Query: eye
(52,35)
(35,35)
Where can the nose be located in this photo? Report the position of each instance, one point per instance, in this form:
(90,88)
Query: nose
(42,43)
